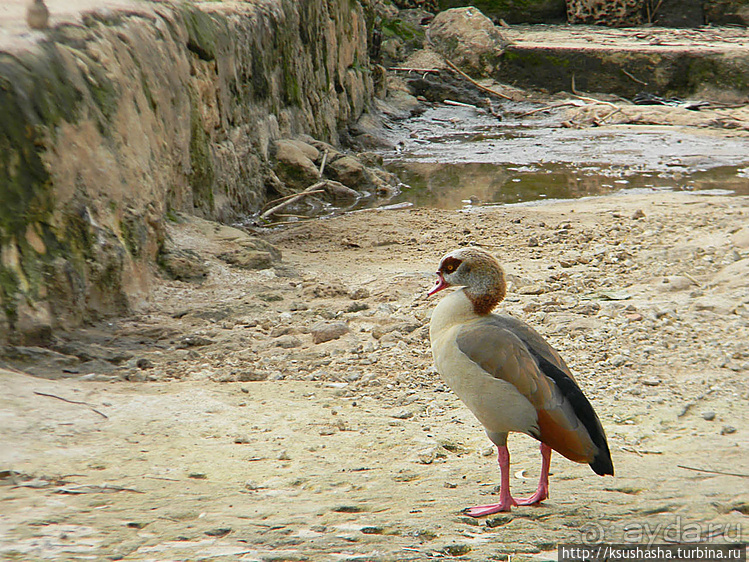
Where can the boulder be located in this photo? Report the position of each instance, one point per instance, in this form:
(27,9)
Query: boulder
(294,166)
(468,39)
(347,170)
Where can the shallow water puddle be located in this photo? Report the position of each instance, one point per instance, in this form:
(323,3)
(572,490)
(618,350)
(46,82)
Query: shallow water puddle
(450,157)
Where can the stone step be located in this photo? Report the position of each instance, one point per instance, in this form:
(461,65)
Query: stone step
(664,61)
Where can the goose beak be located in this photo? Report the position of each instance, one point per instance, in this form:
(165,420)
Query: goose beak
(439,285)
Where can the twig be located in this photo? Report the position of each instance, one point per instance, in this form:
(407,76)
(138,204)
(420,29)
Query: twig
(472,81)
(692,279)
(546,108)
(633,78)
(605,117)
(640,452)
(273,210)
(459,104)
(419,70)
(164,478)
(594,100)
(105,416)
(322,164)
(713,471)
(280,199)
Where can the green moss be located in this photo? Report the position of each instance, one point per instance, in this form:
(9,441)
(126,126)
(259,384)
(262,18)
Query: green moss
(25,183)
(9,287)
(202,175)
(202,30)
(134,234)
(412,35)
(717,71)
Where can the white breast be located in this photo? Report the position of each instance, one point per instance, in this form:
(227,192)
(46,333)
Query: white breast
(497,404)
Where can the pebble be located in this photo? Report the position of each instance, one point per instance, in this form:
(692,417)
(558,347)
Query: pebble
(677,283)
(288,342)
(727,430)
(618,360)
(322,331)
(708,416)
(403,414)
(532,289)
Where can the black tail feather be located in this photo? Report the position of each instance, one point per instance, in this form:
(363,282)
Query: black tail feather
(602,463)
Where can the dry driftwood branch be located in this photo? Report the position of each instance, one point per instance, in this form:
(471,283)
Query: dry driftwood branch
(459,104)
(547,107)
(419,70)
(472,81)
(594,100)
(322,164)
(105,416)
(633,78)
(293,199)
(722,473)
(282,199)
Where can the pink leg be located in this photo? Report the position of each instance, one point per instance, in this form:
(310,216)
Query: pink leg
(542,492)
(505,499)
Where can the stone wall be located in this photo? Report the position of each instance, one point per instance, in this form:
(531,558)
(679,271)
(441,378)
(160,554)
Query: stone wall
(110,126)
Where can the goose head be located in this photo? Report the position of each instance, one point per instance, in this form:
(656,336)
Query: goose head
(476,270)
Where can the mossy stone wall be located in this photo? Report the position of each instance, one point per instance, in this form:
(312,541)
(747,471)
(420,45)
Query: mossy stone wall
(110,125)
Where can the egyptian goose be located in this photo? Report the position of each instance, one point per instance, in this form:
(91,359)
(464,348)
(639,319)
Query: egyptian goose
(508,375)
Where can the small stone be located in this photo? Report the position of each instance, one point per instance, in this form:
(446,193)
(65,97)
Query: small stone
(618,360)
(193,341)
(532,241)
(322,331)
(450,485)
(357,306)
(532,289)
(250,376)
(587,308)
(677,283)
(248,258)
(457,549)
(359,293)
(284,456)
(708,416)
(427,456)
(144,363)
(251,485)
(727,430)
(242,440)
(638,214)
(651,381)
(288,342)
(403,414)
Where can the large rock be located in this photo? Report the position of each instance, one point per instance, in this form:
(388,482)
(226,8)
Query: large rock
(294,166)
(469,39)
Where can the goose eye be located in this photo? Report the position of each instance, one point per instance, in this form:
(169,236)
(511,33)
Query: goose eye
(450,265)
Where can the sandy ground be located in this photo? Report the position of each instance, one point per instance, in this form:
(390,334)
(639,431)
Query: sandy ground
(226,433)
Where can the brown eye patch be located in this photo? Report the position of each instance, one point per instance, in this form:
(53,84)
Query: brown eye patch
(449,265)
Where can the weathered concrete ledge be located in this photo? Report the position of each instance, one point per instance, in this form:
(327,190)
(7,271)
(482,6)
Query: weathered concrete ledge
(113,122)
(667,62)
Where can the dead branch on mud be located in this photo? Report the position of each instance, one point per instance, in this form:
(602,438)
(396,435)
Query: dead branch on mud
(72,402)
